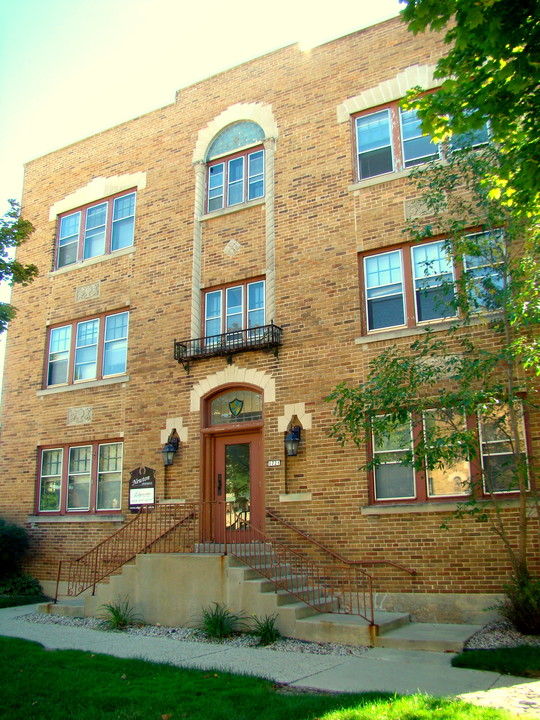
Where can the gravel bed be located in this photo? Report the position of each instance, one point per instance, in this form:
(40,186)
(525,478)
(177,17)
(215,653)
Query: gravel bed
(494,635)
(500,635)
(193,635)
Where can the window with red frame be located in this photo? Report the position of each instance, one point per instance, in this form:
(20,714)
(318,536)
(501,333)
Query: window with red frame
(408,285)
(390,139)
(234,308)
(90,349)
(96,229)
(394,478)
(80,478)
(235,180)
(235,166)
(415,284)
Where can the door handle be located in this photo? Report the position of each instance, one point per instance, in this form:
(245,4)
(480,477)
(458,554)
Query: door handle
(219,483)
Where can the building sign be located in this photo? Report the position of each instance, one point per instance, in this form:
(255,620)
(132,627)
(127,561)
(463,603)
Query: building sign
(142,488)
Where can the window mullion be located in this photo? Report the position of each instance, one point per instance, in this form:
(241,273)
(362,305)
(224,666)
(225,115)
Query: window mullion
(408,287)
(223,310)
(95,474)
(420,475)
(396,139)
(108,226)
(100,347)
(80,244)
(71,371)
(64,482)
(245,307)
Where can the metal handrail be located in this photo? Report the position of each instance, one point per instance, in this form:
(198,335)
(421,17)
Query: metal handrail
(326,588)
(150,525)
(335,555)
(341,587)
(228,343)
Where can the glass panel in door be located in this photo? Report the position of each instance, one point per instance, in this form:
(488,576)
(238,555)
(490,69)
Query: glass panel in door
(237,485)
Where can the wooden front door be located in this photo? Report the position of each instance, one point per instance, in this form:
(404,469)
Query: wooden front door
(238,484)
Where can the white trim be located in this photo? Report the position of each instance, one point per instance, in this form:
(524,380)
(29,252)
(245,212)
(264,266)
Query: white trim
(233,374)
(295,497)
(97,189)
(259,113)
(83,385)
(72,518)
(389,90)
(423,507)
(93,261)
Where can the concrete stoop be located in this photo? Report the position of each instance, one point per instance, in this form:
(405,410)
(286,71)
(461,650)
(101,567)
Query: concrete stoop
(66,608)
(436,637)
(241,588)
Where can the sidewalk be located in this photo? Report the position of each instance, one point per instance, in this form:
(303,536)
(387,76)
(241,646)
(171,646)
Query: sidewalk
(381,669)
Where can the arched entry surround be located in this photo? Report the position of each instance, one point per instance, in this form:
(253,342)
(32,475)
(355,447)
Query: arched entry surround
(232,470)
(228,443)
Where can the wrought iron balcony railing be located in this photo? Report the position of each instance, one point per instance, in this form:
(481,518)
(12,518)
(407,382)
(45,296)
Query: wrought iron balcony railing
(235,341)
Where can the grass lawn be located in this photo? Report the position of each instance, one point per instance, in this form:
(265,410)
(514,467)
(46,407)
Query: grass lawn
(36,684)
(522,661)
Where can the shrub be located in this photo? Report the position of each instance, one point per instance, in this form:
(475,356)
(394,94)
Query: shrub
(21,586)
(118,615)
(219,622)
(265,629)
(14,544)
(521,606)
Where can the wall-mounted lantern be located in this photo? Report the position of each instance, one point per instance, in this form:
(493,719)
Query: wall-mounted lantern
(169,449)
(292,440)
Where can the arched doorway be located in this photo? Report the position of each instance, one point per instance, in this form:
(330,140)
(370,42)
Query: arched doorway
(232,478)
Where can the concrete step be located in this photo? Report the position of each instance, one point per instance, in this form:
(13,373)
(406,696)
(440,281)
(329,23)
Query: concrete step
(346,629)
(66,608)
(426,636)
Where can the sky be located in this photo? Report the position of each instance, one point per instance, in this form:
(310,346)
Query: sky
(71,68)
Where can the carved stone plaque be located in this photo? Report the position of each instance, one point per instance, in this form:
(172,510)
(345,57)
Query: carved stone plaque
(79,415)
(232,248)
(87,292)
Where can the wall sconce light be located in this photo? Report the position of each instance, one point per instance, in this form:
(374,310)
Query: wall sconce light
(292,440)
(169,449)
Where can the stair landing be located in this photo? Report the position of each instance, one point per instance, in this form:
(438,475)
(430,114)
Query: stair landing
(435,637)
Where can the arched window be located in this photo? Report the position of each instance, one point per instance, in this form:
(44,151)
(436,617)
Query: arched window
(235,406)
(235,162)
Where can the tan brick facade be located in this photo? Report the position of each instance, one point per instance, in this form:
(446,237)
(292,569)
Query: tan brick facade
(304,237)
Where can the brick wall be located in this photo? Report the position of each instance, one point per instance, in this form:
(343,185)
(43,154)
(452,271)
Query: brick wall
(320,225)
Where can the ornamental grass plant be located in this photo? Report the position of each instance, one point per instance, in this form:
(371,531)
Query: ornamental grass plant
(218,622)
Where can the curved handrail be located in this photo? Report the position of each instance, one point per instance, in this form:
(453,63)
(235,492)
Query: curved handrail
(335,555)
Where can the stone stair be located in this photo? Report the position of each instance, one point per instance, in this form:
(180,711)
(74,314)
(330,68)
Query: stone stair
(254,594)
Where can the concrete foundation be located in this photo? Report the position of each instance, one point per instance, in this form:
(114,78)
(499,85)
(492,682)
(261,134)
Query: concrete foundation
(441,608)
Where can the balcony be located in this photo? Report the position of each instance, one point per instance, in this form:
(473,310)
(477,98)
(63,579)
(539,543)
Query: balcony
(264,337)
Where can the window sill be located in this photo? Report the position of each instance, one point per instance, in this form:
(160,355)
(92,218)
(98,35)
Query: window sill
(232,209)
(433,326)
(379,179)
(386,335)
(36,519)
(388,177)
(83,386)
(435,506)
(295,497)
(92,261)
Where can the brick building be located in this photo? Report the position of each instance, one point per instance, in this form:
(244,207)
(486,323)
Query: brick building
(208,273)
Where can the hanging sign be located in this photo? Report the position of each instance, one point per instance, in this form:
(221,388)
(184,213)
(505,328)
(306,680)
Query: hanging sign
(142,488)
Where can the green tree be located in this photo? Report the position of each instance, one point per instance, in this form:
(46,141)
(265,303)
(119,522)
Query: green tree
(483,363)
(14,230)
(491,70)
